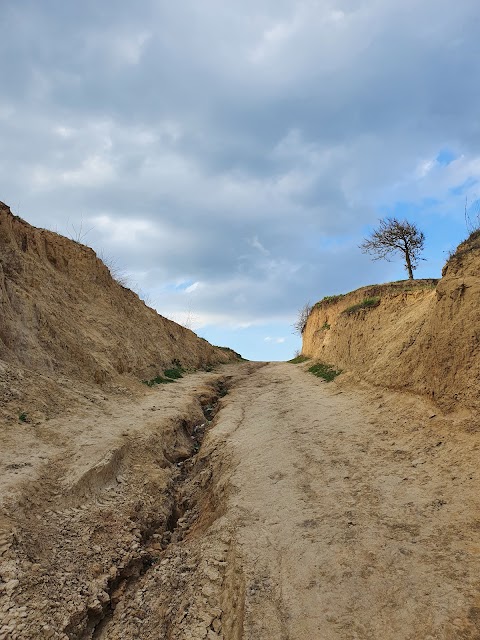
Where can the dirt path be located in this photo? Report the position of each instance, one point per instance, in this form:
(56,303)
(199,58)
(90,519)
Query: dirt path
(356,516)
(312,511)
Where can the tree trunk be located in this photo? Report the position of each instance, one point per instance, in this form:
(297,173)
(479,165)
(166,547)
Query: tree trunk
(408,264)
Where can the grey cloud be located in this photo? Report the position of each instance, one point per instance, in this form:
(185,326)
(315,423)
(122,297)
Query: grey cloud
(212,124)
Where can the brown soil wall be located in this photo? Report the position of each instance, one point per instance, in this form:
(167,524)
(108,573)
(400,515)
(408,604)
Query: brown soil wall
(62,314)
(423,337)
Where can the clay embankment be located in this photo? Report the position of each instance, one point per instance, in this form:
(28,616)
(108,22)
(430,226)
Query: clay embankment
(421,336)
(69,331)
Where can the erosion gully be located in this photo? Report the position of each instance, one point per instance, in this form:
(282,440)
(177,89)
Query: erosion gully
(171,533)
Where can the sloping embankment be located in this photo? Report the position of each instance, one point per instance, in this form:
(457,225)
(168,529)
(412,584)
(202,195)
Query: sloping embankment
(66,325)
(421,336)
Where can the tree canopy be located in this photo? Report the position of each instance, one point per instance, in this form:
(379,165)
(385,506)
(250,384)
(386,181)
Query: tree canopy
(396,236)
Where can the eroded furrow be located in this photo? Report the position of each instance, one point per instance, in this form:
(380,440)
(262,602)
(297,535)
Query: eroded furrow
(76,555)
(183,514)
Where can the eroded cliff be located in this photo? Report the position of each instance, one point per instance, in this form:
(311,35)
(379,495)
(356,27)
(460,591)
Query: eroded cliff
(421,336)
(64,318)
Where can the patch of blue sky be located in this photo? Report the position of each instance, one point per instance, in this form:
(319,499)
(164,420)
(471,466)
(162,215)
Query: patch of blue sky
(267,342)
(407,209)
(325,243)
(445,157)
(464,187)
(473,206)
(176,287)
(333,243)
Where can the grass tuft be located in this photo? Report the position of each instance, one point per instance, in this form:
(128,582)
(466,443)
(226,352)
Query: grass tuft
(157,380)
(169,375)
(174,373)
(367,303)
(327,300)
(298,359)
(325,371)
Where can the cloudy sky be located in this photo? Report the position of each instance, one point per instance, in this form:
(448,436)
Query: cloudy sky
(228,157)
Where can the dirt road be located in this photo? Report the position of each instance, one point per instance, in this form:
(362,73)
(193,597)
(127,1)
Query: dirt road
(311,511)
(356,515)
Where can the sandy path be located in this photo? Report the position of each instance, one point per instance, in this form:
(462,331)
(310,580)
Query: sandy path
(355,516)
(312,511)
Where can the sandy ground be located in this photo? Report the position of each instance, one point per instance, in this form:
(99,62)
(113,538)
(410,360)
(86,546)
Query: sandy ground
(311,511)
(357,514)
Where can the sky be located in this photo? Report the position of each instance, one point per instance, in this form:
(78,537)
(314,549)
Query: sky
(226,159)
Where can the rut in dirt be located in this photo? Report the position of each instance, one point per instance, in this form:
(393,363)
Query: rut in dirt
(92,528)
(172,533)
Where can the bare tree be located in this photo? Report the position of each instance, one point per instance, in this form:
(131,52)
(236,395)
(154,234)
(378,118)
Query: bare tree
(396,236)
(302,317)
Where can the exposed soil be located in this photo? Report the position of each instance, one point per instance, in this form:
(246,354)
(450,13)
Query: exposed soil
(70,333)
(257,502)
(421,336)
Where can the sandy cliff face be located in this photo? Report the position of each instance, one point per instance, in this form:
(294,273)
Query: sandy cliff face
(63,317)
(422,337)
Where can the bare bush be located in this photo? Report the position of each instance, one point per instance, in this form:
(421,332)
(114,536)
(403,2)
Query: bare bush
(118,273)
(302,317)
(472,215)
(79,231)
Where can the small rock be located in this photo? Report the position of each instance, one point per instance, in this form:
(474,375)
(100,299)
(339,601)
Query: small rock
(103,597)
(10,586)
(211,574)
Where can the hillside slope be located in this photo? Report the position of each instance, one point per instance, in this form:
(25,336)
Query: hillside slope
(64,318)
(421,336)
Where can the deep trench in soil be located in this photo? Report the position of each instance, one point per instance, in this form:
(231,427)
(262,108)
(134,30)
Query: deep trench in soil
(171,532)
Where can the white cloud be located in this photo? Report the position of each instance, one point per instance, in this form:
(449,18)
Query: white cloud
(130,47)
(126,230)
(64,132)
(424,168)
(194,287)
(93,171)
(256,244)
(119,47)
(272,40)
